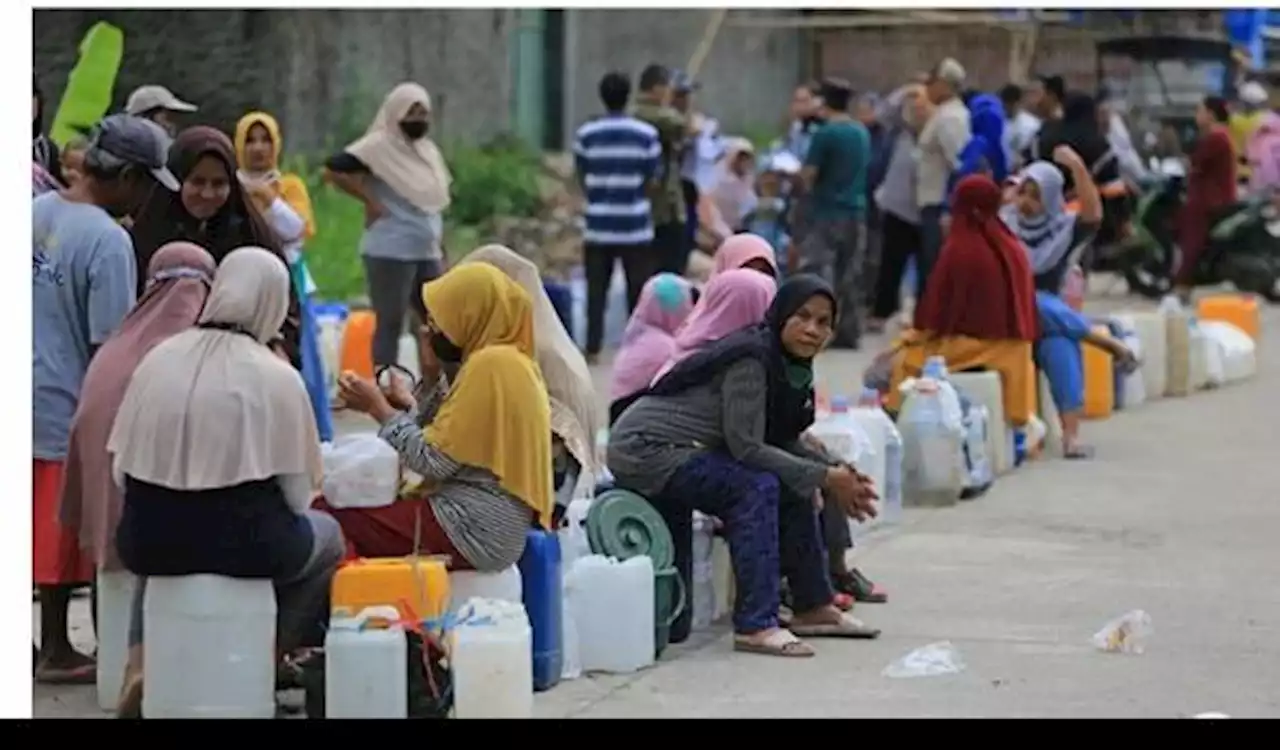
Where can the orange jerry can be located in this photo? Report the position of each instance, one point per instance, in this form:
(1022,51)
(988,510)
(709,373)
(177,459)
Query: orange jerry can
(1099,379)
(357,344)
(1240,310)
(417,587)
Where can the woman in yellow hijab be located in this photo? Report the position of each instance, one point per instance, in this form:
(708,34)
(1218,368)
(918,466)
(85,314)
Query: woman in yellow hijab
(285,203)
(482,443)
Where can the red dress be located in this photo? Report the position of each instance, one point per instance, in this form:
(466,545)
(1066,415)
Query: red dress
(1211,187)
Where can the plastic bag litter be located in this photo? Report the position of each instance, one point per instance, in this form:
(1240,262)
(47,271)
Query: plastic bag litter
(933,660)
(360,471)
(1127,634)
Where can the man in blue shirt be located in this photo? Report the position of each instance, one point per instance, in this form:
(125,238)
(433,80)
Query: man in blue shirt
(83,283)
(835,206)
(616,156)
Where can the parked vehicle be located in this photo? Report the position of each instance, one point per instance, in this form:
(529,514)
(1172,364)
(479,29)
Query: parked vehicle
(1244,244)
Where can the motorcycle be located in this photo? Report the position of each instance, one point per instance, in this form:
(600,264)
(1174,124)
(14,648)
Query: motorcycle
(1244,244)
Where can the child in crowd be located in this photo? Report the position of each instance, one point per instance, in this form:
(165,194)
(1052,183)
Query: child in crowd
(770,218)
(72,160)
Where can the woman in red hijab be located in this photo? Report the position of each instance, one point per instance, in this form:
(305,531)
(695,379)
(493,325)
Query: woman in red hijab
(979,308)
(1211,187)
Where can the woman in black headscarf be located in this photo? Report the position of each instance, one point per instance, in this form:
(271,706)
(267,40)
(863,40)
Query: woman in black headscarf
(798,326)
(212,210)
(43,151)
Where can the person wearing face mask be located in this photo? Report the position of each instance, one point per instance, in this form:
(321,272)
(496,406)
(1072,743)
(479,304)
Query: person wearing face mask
(83,283)
(485,466)
(400,176)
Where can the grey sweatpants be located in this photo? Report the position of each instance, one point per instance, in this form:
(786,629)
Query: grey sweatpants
(834,250)
(301,598)
(395,289)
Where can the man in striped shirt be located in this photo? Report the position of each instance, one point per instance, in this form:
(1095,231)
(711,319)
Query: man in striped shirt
(616,156)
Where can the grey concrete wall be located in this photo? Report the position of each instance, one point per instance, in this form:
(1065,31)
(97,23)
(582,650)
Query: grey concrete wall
(323,72)
(747,78)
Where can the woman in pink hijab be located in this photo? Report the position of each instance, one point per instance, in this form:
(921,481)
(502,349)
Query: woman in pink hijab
(178,280)
(733,300)
(746,251)
(649,339)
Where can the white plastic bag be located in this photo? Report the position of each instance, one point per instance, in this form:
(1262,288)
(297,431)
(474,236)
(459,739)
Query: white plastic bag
(933,660)
(1127,634)
(1239,355)
(360,471)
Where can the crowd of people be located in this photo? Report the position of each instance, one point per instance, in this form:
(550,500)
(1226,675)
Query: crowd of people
(179,397)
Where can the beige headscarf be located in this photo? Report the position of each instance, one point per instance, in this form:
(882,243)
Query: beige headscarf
(414,169)
(575,413)
(212,408)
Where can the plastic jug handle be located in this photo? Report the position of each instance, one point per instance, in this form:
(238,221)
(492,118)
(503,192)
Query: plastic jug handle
(382,612)
(681,598)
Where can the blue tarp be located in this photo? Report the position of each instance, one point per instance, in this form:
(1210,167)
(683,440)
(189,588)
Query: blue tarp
(1244,27)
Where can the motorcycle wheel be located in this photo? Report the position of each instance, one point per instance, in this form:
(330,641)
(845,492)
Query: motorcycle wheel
(1255,274)
(1151,277)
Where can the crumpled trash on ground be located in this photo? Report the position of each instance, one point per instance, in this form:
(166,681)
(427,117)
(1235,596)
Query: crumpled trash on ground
(933,660)
(1127,634)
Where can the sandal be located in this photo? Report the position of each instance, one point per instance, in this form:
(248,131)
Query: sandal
(848,627)
(1078,453)
(859,587)
(842,601)
(81,674)
(781,642)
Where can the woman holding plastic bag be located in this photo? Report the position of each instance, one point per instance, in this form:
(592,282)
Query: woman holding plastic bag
(485,466)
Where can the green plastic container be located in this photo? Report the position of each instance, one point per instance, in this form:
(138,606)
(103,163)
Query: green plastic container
(623,525)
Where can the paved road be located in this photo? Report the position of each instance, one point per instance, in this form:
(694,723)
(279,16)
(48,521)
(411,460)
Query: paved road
(1177,515)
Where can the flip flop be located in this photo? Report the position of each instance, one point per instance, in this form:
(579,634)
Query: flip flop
(848,627)
(860,588)
(780,642)
(1078,453)
(85,674)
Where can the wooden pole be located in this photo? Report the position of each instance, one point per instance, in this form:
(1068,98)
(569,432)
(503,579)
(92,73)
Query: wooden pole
(709,35)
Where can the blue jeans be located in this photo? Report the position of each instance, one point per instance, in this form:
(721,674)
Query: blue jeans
(1058,351)
(769,529)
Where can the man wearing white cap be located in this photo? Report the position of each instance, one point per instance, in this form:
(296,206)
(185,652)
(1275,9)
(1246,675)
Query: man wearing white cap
(1244,123)
(939,146)
(157,104)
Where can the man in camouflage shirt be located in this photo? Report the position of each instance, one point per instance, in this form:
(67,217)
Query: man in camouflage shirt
(666,196)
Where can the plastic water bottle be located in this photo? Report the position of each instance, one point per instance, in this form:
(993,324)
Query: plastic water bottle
(891,492)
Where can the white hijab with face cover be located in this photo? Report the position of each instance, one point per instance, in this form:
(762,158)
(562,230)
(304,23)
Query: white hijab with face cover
(211,408)
(575,413)
(414,169)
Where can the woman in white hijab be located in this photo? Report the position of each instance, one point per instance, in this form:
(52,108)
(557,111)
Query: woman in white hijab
(400,176)
(576,415)
(216,448)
